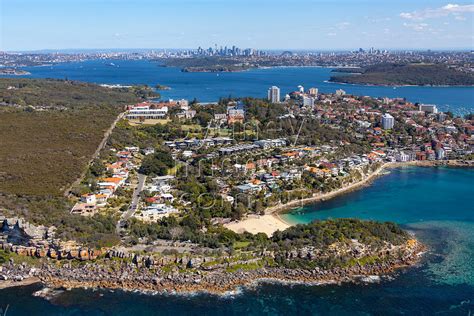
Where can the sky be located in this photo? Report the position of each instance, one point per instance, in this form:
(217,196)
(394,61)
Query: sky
(261,24)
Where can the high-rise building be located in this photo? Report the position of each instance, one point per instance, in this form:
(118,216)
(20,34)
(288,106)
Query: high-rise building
(274,94)
(308,101)
(387,121)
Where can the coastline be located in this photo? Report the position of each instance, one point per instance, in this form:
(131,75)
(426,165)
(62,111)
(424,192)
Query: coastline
(224,282)
(397,85)
(272,218)
(5,284)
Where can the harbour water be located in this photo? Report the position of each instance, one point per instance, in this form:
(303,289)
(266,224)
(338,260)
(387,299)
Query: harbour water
(434,203)
(209,87)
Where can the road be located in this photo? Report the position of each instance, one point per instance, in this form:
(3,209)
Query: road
(134,204)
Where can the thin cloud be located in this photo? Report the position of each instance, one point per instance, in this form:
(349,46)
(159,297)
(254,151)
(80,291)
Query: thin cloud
(342,25)
(449,9)
(419,27)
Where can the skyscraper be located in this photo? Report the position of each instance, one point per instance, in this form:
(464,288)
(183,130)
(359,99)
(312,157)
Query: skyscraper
(274,94)
(387,121)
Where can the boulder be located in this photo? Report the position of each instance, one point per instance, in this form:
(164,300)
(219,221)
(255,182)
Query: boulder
(84,254)
(52,253)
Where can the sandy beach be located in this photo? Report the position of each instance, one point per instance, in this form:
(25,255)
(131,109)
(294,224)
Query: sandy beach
(254,224)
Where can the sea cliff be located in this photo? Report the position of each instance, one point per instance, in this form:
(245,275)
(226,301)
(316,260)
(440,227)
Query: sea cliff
(304,253)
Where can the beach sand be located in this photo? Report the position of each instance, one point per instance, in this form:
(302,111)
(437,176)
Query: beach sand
(254,224)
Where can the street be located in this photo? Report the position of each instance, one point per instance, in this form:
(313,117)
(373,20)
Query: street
(134,204)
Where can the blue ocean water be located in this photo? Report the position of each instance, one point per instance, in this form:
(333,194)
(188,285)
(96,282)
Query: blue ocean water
(208,87)
(435,203)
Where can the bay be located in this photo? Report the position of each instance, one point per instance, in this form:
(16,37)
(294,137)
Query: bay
(209,87)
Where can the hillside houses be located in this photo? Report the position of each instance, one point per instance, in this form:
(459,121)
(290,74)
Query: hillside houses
(107,186)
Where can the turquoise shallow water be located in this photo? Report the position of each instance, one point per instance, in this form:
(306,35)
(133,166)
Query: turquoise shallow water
(435,203)
(406,195)
(208,87)
(423,200)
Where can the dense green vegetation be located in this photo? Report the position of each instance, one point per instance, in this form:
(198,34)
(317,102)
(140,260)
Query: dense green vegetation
(44,151)
(408,74)
(67,94)
(322,235)
(207,64)
(144,136)
(157,163)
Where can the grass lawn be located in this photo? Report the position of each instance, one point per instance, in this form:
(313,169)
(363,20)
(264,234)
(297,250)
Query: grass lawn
(241,244)
(148,122)
(191,127)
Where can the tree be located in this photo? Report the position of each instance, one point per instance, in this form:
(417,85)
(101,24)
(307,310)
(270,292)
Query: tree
(259,209)
(97,168)
(176,232)
(158,163)
(239,211)
(203,118)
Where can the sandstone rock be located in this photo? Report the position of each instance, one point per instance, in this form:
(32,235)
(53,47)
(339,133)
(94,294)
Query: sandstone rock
(83,254)
(52,253)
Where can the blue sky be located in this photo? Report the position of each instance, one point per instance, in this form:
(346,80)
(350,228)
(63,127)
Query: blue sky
(277,24)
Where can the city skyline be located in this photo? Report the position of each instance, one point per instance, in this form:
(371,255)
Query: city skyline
(266,25)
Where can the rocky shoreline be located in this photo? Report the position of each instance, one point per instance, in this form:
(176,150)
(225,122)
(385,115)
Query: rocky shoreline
(144,279)
(193,273)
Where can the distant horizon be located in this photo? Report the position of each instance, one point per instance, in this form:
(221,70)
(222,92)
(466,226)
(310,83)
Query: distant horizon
(294,50)
(31,25)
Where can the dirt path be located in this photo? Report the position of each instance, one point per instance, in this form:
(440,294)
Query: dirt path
(102,144)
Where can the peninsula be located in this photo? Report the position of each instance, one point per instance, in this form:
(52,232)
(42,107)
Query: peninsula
(157,195)
(415,74)
(13,72)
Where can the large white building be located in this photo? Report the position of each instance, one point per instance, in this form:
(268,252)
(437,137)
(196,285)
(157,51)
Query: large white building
(340,92)
(430,108)
(146,112)
(387,121)
(308,101)
(274,94)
